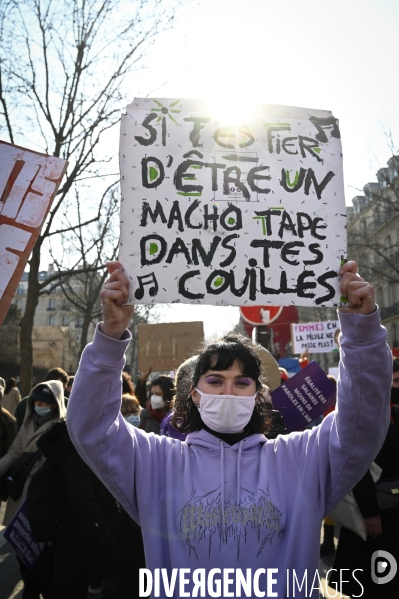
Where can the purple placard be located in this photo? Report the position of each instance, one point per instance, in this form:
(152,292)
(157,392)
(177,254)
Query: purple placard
(304,397)
(19,535)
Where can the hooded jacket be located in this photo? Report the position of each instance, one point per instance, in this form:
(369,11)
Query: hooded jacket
(258,504)
(26,439)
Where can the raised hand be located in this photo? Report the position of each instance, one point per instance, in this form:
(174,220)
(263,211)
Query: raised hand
(359,293)
(144,375)
(114,294)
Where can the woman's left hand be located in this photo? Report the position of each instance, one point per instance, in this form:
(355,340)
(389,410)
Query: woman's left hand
(360,293)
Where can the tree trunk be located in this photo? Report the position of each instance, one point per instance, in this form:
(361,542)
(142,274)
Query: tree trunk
(25,335)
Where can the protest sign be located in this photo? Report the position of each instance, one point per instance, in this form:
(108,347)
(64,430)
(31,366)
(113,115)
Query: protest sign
(304,397)
(167,345)
(317,337)
(28,184)
(18,533)
(245,214)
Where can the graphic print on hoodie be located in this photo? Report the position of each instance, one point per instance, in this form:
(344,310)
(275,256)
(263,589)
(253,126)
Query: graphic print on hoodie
(212,520)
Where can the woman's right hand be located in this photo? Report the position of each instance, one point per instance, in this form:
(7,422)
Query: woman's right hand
(114,294)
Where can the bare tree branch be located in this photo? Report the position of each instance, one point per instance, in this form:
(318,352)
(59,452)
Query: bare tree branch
(62,65)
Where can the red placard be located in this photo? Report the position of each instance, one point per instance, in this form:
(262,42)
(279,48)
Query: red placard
(260,315)
(28,184)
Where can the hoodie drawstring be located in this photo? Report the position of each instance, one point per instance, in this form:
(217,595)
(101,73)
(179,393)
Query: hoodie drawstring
(240,446)
(222,489)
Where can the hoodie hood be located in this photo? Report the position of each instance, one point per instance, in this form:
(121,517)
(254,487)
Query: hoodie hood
(57,389)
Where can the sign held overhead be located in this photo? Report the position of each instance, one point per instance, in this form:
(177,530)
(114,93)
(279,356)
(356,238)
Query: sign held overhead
(245,214)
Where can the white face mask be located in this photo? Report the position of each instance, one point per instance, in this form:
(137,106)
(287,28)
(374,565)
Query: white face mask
(226,413)
(157,402)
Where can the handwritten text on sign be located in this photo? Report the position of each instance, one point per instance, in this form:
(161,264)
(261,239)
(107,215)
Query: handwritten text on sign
(317,337)
(28,184)
(246,214)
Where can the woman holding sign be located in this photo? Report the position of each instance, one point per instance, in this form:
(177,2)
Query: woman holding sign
(229,512)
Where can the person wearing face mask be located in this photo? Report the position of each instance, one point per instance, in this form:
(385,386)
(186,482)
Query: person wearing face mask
(162,395)
(227,497)
(45,405)
(131,409)
(382,522)
(183,387)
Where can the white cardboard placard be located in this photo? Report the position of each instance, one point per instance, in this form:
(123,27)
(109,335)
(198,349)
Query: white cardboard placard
(246,214)
(317,337)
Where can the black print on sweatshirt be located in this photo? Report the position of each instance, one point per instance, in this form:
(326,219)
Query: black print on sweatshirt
(201,520)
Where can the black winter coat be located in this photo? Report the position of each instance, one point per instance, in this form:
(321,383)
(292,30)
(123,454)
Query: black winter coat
(85,549)
(352,552)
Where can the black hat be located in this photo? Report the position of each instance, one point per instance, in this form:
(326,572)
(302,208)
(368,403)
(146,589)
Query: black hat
(43,393)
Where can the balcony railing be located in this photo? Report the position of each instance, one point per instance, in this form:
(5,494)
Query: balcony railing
(390,311)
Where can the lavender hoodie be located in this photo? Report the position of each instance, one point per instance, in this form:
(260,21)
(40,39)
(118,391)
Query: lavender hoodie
(256,504)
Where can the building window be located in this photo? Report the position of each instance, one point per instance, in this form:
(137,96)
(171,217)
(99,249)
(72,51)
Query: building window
(18,303)
(79,322)
(79,338)
(65,320)
(51,320)
(51,304)
(20,290)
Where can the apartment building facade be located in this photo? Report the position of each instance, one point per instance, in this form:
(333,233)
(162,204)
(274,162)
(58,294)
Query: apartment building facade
(57,327)
(373,240)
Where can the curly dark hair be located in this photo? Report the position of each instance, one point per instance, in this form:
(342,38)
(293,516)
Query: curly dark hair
(220,354)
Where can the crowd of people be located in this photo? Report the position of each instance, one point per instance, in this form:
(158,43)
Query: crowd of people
(170,473)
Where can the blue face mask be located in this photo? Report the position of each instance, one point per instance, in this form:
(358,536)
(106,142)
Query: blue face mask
(42,411)
(135,420)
